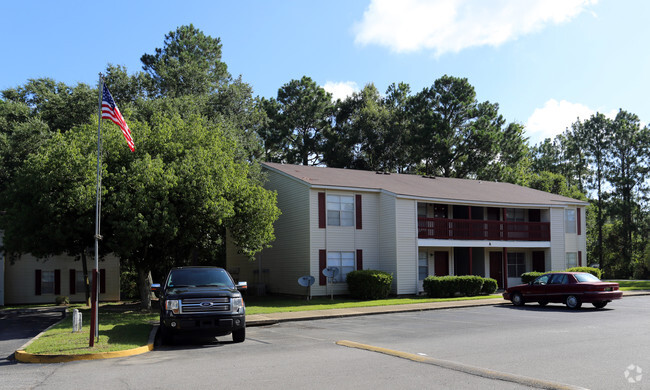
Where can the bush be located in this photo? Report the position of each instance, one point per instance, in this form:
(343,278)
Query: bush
(528,277)
(594,271)
(369,284)
(490,286)
(448,286)
(62,300)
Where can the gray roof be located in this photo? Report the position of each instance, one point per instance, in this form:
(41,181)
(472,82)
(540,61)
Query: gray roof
(439,188)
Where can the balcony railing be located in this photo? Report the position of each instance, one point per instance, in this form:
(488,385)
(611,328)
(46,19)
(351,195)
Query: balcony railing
(468,229)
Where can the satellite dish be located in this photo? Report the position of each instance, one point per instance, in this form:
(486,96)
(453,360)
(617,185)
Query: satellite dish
(331,272)
(306,281)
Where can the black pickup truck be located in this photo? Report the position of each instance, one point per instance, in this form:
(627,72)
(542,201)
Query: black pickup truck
(201,300)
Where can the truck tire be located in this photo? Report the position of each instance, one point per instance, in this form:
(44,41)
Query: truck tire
(239,335)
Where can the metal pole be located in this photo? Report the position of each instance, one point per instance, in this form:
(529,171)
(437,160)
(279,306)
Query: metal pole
(94,328)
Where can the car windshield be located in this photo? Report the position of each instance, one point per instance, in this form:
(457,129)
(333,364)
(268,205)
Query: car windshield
(199,277)
(586,278)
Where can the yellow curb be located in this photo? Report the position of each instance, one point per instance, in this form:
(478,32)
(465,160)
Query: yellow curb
(25,357)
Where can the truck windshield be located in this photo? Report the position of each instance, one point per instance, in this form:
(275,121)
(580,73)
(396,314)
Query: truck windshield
(199,277)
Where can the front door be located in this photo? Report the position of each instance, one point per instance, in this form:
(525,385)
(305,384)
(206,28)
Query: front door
(441,263)
(538,261)
(496,267)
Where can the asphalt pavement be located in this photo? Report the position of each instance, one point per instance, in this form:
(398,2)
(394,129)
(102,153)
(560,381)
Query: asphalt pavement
(17,327)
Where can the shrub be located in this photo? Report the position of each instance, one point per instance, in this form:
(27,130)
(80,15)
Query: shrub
(594,271)
(490,286)
(62,300)
(528,277)
(369,284)
(448,286)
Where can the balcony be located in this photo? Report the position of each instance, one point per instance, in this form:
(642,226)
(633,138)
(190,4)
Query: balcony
(468,229)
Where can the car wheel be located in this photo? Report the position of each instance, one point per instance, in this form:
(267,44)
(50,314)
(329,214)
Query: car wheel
(239,335)
(517,299)
(542,303)
(573,302)
(599,304)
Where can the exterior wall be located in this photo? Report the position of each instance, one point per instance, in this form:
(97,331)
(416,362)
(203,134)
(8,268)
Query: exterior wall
(575,242)
(406,274)
(388,236)
(20,281)
(287,259)
(558,252)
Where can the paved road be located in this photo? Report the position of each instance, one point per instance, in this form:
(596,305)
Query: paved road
(17,328)
(588,348)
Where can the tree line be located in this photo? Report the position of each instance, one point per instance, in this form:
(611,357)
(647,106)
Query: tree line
(200,135)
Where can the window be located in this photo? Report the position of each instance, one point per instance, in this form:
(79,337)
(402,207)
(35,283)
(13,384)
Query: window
(47,282)
(571,259)
(340,210)
(559,279)
(515,215)
(344,261)
(423,265)
(570,220)
(79,282)
(516,264)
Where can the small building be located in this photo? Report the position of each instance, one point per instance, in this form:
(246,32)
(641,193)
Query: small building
(411,226)
(29,280)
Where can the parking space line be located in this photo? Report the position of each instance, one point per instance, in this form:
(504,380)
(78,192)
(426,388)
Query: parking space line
(471,370)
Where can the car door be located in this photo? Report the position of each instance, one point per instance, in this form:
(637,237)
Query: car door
(537,290)
(557,288)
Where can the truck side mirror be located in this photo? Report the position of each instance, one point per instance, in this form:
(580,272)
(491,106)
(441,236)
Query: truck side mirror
(155,288)
(242,286)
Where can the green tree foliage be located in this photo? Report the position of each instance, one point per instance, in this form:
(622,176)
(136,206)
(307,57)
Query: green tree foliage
(298,119)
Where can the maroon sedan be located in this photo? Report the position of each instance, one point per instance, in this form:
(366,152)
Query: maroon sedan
(571,288)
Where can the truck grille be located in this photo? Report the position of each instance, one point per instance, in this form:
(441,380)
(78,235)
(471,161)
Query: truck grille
(205,305)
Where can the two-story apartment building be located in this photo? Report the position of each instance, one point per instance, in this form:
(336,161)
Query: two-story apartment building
(410,226)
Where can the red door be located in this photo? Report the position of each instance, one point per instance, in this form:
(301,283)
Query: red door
(538,261)
(496,267)
(441,263)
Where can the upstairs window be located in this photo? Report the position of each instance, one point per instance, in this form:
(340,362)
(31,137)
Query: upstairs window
(340,210)
(570,220)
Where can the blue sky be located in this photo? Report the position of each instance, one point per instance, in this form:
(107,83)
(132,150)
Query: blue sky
(545,62)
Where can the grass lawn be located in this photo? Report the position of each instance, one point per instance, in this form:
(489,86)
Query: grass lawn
(121,327)
(630,285)
(274,304)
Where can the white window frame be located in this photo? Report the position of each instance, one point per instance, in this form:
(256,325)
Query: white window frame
(516,215)
(79,282)
(423,265)
(344,261)
(340,210)
(571,259)
(47,282)
(519,264)
(570,221)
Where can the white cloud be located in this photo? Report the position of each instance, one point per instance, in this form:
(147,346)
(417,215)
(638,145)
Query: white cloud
(555,117)
(341,90)
(453,25)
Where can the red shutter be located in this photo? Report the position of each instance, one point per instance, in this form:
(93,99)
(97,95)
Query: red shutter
(102,281)
(37,282)
(359,259)
(321,211)
(358,211)
(322,264)
(579,219)
(579,258)
(73,282)
(57,282)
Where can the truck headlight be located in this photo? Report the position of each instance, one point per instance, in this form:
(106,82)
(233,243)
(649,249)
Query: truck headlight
(237,304)
(172,304)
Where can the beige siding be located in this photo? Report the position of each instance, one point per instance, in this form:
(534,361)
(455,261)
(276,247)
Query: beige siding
(574,242)
(407,246)
(287,259)
(388,236)
(558,252)
(20,279)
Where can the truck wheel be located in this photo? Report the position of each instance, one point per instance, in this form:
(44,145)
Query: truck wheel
(166,335)
(239,335)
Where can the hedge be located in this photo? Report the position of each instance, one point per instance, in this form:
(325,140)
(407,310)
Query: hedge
(369,284)
(490,286)
(449,286)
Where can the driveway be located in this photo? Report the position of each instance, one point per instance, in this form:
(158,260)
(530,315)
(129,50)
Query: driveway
(18,326)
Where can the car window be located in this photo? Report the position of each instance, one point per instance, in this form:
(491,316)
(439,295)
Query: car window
(559,279)
(542,279)
(586,278)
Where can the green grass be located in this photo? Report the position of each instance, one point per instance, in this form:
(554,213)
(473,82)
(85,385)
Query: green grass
(120,328)
(631,285)
(273,304)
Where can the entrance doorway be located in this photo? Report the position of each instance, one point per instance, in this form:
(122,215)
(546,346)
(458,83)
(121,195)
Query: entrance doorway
(441,263)
(496,267)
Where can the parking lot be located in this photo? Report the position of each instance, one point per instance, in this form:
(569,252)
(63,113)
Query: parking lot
(585,348)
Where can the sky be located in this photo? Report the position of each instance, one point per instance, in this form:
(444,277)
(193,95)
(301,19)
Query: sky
(545,62)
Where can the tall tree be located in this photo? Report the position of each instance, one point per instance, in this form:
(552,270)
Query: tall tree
(298,119)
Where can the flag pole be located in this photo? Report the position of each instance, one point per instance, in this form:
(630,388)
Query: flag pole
(94,320)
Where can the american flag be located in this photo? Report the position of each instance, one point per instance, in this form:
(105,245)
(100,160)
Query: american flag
(110,111)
